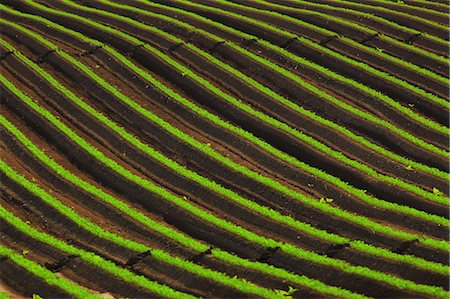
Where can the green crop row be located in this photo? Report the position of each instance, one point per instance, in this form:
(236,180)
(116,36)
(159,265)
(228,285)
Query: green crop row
(223,224)
(399,13)
(324,31)
(248,109)
(184,239)
(361,65)
(274,215)
(287,34)
(311,88)
(206,149)
(324,71)
(423,2)
(86,224)
(412,48)
(314,117)
(416,68)
(89,257)
(42,273)
(285,101)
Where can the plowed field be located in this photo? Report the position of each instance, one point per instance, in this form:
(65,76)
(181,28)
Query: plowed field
(224,149)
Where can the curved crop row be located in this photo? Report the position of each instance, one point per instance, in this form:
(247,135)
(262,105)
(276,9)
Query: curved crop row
(360,220)
(309,87)
(37,270)
(204,148)
(86,224)
(361,65)
(184,239)
(287,248)
(398,12)
(275,123)
(363,47)
(317,67)
(214,119)
(91,258)
(386,37)
(274,215)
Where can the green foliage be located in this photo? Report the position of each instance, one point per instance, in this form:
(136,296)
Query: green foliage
(289,249)
(4,295)
(42,273)
(437,191)
(362,222)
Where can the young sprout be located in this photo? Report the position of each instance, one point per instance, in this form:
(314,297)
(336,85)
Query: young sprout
(437,191)
(326,200)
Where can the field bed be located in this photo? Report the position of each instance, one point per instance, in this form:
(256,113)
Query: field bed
(231,149)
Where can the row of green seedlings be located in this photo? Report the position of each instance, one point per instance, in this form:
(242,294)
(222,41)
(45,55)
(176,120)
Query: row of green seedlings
(160,255)
(298,80)
(404,110)
(267,212)
(214,119)
(384,75)
(250,81)
(385,37)
(369,117)
(368,31)
(175,235)
(206,149)
(223,224)
(423,4)
(362,14)
(178,168)
(287,248)
(400,13)
(268,119)
(40,272)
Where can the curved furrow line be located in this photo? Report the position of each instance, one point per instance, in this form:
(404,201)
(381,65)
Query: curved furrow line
(398,158)
(318,205)
(208,147)
(50,282)
(385,29)
(346,26)
(422,12)
(396,48)
(260,208)
(280,22)
(36,150)
(69,266)
(167,231)
(88,257)
(268,242)
(432,5)
(252,59)
(406,19)
(233,129)
(93,231)
(443,80)
(87,275)
(189,72)
(356,12)
(405,110)
(363,35)
(181,9)
(318,51)
(278,53)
